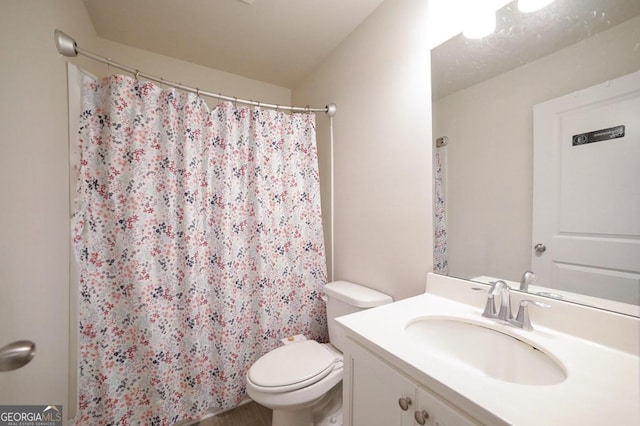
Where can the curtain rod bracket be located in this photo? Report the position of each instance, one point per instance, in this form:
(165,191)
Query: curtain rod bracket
(65,44)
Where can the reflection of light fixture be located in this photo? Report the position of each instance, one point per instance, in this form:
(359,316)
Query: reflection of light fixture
(480,25)
(532,5)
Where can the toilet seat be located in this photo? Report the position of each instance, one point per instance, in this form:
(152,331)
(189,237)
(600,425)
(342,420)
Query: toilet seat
(291,367)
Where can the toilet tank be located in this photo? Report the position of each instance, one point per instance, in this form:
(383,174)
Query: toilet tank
(346,298)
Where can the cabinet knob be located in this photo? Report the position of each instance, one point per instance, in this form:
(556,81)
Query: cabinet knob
(404,403)
(421,417)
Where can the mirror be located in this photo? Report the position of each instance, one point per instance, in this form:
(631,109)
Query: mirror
(484,92)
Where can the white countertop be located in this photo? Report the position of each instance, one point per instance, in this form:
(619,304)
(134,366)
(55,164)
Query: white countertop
(602,385)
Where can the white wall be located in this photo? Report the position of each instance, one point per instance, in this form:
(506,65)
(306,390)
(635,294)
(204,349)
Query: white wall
(34,164)
(190,74)
(34,277)
(379,79)
(490,130)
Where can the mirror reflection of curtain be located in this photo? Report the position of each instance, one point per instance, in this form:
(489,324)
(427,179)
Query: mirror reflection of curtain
(440,263)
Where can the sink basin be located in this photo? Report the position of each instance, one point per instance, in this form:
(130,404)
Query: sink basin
(486,351)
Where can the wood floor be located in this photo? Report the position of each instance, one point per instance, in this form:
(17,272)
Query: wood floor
(250,414)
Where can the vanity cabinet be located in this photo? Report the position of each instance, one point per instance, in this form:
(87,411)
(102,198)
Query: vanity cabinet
(377,394)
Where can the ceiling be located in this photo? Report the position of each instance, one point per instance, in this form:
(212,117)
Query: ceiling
(282,41)
(521,38)
(274,41)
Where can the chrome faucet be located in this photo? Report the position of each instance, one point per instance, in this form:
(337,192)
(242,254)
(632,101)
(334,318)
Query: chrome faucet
(504,314)
(502,289)
(527,279)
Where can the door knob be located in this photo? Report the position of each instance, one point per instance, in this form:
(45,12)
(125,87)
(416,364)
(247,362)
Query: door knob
(540,248)
(16,354)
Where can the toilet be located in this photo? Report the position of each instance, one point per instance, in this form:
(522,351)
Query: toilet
(302,381)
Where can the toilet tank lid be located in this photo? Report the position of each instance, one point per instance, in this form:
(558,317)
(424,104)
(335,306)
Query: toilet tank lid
(356,295)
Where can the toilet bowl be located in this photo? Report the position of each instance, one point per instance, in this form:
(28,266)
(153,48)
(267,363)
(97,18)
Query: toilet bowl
(293,378)
(302,381)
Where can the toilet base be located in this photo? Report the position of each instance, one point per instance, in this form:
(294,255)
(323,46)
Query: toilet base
(301,417)
(326,411)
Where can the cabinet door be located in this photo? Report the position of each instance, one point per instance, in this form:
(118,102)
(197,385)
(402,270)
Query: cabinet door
(437,412)
(376,389)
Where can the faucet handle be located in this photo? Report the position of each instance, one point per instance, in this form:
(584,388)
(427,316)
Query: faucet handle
(490,310)
(490,307)
(522,318)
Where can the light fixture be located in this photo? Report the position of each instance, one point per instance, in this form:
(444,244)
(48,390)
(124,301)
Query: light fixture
(526,6)
(480,24)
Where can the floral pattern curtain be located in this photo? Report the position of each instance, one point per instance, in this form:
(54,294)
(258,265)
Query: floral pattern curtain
(199,242)
(440,263)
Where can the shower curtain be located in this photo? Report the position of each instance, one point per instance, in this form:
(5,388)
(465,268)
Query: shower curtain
(199,241)
(440,263)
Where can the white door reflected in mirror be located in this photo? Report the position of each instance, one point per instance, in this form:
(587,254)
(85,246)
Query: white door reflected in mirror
(586,203)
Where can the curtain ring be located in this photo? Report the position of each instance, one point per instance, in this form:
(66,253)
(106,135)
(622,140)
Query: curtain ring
(235,101)
(197,92)
(277,108)
(259,103)
(137,73)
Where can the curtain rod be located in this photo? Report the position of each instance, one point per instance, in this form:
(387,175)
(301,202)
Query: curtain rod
(67,46)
